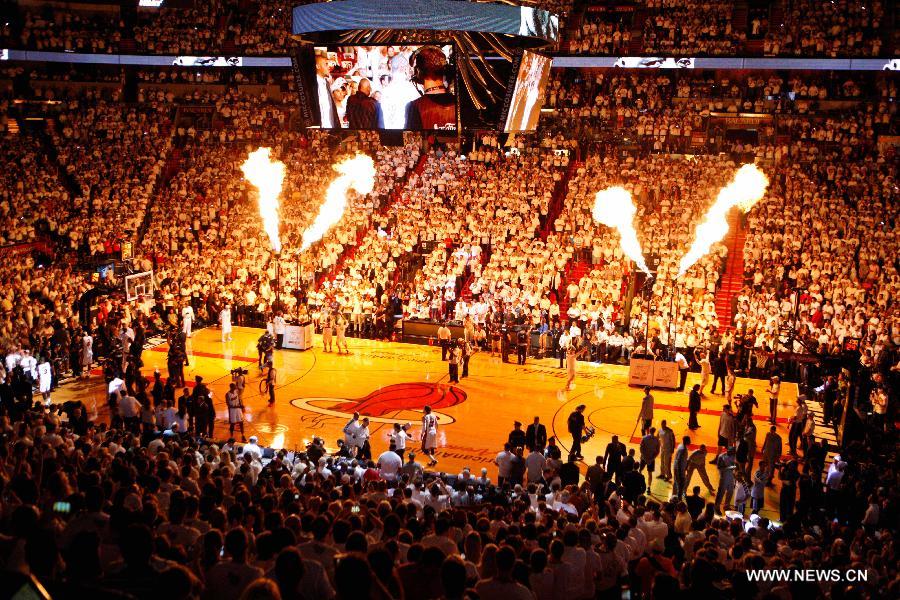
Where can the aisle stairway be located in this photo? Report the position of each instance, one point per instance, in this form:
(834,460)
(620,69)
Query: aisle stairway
(465,292)
(776,15)
(173,165)
(400,185)
(170,169)
(558,200)
(733,278)
(636,44)
(572,25)
(575,270)
(739,17)
(408,265)
(128,46)
(68,180)
(348,252)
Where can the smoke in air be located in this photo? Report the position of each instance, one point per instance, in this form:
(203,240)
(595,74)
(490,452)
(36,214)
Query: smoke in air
(268,176)
(357,173)
(614,208)
(744,191)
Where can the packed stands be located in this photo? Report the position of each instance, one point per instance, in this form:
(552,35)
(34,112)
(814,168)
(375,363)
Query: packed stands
(653,27)
(94,158)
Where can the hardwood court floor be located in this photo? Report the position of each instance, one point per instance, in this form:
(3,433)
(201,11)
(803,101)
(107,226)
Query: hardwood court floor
(391,382)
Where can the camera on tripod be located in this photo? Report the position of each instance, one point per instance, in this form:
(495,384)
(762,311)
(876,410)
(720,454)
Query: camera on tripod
(588,434)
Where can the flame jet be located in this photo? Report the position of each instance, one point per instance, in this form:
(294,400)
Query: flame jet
(614,208)
(744,191)
(357,173)
(267,176)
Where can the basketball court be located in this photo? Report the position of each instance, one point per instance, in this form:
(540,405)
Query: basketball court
(318,391)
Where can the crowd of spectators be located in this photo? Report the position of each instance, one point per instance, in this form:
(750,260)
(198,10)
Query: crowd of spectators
(223,220)
(66,193)
(178,31)
(92,509)
(690,28)
(830,29)
(265,29)
(591,102)
(69,31)
(830,279)
(503,210)
(30,190)
(114,194)
(213,76)
(662,187)
(606,32)
(663,110)
(667,27)
(476,256)
(148,514)
(75,73)
(504,254)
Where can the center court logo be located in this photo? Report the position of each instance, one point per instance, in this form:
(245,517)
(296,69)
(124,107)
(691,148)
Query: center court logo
(397,403)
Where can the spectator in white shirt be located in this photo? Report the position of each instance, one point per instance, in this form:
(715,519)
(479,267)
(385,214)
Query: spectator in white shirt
(390,463)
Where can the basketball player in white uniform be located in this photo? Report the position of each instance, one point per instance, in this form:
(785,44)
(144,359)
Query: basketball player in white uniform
(87,354)
(340,328)
(429,435)
(327,328)
(225,320)
(187,318)
(235,410)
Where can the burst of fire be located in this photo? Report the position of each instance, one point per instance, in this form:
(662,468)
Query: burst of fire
(357,173)
(744,191)
(614,208)
(267,175)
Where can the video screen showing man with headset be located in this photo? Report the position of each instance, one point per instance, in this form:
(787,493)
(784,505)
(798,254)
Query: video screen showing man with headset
(432,75)
(385,87)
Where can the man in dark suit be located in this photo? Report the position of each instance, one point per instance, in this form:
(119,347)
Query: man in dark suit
(363,111)
(555,333)
(327,108)
(536,436)
(517,437)
(200,389)
(679,468)
(720,370)
(694,404)
(569,473)
(596,476)
(576,429)
(614,455)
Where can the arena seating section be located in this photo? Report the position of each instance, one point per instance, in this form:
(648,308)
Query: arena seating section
(97,156)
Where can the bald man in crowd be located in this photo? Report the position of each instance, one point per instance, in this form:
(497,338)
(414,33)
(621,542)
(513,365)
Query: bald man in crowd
(363,111)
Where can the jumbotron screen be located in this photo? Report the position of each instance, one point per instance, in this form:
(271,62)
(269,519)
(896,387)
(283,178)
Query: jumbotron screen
(528,93)
(384,87)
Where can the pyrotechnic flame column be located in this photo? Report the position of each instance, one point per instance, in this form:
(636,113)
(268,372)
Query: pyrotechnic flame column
(268,176)
(277,280)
